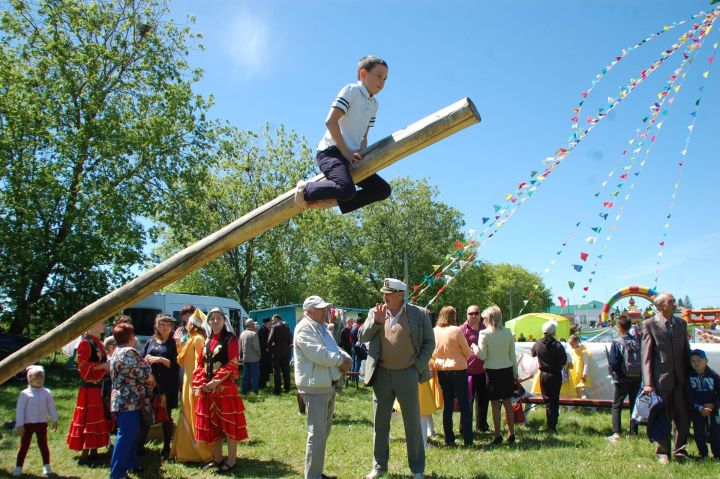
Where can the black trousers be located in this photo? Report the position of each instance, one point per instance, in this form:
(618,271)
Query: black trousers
(621,390)
(339,184)
(550,384)
(266,369)
(480,399)
(281,366)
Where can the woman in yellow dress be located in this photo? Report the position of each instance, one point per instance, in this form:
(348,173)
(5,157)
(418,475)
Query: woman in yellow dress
(184,447)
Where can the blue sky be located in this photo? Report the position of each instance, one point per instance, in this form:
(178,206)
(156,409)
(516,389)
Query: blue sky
(524,64)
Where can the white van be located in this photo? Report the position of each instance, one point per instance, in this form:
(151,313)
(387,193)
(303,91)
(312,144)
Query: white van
(143,312)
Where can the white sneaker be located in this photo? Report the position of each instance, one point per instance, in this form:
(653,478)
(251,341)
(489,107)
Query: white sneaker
(299,198)
(47,470)
(374,474)
(17,472)
(614,438)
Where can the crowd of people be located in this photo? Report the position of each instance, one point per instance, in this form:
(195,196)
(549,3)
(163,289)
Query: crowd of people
(412,367)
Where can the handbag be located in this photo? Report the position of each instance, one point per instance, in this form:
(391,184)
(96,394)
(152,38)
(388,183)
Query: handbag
(641,412)
(159,406)
(518,412)
(146,412)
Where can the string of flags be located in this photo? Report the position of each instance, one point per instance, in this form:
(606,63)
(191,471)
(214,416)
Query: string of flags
(651,122)
(680,166)
(466,252)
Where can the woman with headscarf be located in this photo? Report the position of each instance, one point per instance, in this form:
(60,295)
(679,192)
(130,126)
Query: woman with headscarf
(220,412)
(551,359)
(161,354)
(496,347)
(185,448)
(90,426)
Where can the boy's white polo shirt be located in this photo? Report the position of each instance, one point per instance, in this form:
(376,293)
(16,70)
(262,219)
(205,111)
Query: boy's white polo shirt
(360,108)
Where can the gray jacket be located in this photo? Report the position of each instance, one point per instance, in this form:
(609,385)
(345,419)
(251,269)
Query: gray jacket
(665,358)
(423,340)
(250,346)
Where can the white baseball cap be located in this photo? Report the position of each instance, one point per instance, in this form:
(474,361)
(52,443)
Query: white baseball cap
(314,302)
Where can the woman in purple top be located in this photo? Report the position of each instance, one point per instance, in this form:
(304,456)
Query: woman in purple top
(476,368)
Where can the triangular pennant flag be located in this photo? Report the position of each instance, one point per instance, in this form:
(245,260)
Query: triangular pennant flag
(563,301)
(577,267)
(584,256)
(571,284)
(485,220)
(586,288)
(596,229)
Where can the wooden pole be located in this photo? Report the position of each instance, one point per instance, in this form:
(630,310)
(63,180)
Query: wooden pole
(385,152)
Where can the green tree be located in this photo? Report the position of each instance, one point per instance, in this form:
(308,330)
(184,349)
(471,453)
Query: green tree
(98,124)
(485,284)
(364,247)
(511,285)
(251,170)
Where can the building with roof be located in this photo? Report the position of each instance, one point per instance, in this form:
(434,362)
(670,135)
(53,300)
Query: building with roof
(587,314)
(291,313)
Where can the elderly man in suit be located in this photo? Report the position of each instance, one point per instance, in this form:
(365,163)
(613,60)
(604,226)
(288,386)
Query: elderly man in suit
(665,356)
(401,343)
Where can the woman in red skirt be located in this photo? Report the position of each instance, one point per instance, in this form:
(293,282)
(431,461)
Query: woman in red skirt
(220,411)
(90,428)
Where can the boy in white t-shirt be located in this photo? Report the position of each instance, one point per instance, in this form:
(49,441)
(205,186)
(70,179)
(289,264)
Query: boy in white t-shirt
(340,149)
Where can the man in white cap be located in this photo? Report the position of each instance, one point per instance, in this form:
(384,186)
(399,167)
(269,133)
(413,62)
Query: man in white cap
(551,359)
(401,343)
(319,368)
(250,351)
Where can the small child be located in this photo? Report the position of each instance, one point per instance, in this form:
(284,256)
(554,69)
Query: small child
(110,346)
(341,148)
(580,363)
(703,393)
(34,406)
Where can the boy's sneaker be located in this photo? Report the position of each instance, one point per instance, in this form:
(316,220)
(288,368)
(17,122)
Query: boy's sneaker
(17,472)
(299,198)
(47,470)
(614,438)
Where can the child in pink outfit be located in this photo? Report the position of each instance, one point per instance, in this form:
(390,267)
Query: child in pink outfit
(34,406)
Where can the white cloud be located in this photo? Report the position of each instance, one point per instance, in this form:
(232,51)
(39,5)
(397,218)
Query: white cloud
(246,42)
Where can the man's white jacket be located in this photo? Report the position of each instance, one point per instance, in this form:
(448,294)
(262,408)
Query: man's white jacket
(317,358)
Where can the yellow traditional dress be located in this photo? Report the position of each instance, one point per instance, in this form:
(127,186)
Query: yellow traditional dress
(184,447)
(579,357)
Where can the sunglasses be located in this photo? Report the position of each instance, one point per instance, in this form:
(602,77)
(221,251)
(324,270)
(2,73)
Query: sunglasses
(474,313)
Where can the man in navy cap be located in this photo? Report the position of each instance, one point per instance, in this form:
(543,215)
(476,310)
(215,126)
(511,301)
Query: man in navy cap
(401,343)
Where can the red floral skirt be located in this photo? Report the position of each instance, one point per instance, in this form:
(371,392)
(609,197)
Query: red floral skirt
(89,429)
(220,414)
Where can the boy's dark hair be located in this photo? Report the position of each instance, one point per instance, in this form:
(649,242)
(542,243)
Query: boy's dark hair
(624,323)
(369,62)
(188,308)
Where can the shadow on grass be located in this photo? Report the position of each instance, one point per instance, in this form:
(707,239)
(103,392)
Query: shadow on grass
(435,475)
(346,420)
(38,476)
(261,468)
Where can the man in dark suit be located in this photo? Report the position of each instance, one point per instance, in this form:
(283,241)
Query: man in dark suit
(665,356)
(279,343)
(265,356)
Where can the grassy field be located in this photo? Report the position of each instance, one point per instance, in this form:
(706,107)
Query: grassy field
(277,443)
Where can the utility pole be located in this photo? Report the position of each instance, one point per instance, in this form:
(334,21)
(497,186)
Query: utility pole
(510,308)
(405,277)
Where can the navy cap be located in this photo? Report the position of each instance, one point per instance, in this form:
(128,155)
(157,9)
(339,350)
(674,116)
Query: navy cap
(699,352)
